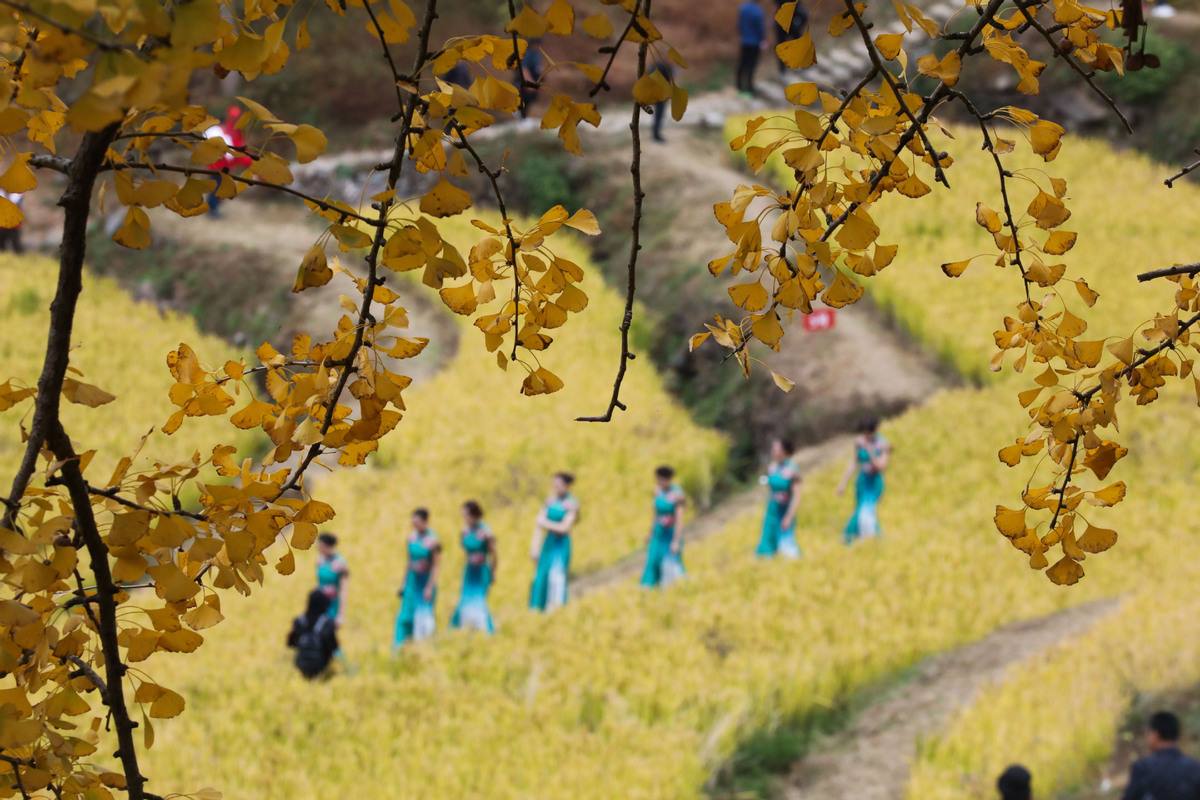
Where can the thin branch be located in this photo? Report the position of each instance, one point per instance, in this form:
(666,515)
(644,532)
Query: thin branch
(85,670)
(602,81)
(56,163)
(1182,269)
(320,203)
(103,44)
(1075,65)
(16,764)
(111,494)
(897,91)
(1002,175)
(1170,182)
(515,61)
(635,243)
(372,258)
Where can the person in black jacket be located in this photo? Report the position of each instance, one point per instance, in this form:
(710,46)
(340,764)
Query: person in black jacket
(1165,774)
(1015,783)
(314,636)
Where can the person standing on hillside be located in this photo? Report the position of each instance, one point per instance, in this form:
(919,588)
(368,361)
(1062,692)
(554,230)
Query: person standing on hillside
(415,620)
(529,80)
(794,31)
(332,573)
(752,35)
(664,548)
(479,573)
(233,137)
(551,546)
(871,453)
(783,498)
(1165,774)
(663,67)
(314,636)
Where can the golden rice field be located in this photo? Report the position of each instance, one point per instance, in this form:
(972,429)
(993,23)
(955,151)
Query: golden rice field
(628,692)
(119,345)
(955,317)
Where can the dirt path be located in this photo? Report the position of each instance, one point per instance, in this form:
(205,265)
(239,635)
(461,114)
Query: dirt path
(278,236)
(871,759)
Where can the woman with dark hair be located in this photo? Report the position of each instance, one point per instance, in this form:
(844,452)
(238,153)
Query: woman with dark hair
(783,497)
(314,636)
(415,620)
(664,549)
(551,545)
(480,572)
(332,573)
(871,453)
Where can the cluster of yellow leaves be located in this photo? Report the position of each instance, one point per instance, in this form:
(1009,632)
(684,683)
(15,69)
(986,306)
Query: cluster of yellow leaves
(817,240)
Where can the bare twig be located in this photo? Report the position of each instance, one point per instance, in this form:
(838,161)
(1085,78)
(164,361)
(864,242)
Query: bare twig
(103,44)
(85,670)
(602,81)
(635,243)
(1170,182)
(1182,269)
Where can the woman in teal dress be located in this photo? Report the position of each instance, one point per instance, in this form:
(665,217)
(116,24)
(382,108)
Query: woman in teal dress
(332,573)
(551,546)
(480,572)
(664,549)
(783,497)
(415,620)
(871,452)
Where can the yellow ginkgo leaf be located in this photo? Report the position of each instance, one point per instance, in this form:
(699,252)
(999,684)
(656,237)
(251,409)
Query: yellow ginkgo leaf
(85,394)
(310,143)
(445,200)
(1010,522)
(1065,572)
(314,270)
(1097,540)
(784,383)
(10,215)
(750,296)
(597,26)
(797,53)
(459,299)
(842,292)
(651,88)
(889,44)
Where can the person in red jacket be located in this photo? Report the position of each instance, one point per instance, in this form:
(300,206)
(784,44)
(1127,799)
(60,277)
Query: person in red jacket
(234,158)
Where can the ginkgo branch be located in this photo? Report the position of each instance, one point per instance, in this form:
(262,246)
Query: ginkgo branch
(320,203)
(635,244)
(84,669)
(372,258)
(1087,76)
(102,44)
(1182,269)
(493,176)
(602,82)
(112,494)
(1002,176)
(514,61)
(897,91)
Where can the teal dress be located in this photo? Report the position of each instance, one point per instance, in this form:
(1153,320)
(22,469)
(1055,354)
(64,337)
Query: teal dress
(330,574)
(868,489)
(661,564)
(549,588)
(775,538)
(472,610)
(415,620)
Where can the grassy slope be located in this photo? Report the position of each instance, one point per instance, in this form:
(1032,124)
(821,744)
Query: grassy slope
(1059,728)
(121,346)
(639,694)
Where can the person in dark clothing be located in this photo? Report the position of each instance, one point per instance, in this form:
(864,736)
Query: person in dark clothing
(314,636)
(752,33)
(1015,783)
(660,109)
(795,31)
(529,81)
(1165,774)
(458,74)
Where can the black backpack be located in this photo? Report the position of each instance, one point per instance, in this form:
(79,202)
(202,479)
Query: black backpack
(313,652)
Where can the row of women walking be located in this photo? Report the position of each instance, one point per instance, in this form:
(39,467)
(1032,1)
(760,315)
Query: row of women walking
(550,547)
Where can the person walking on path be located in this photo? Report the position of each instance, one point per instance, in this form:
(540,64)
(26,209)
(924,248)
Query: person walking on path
(314,636)
(783,497)
(663,67)
(415,620)
(529,81)
(1166,773)
(752,35)
(794,31)
(664,548)
(478,575)
(1015,783)
(332,574)
(871,453)
(551,546)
